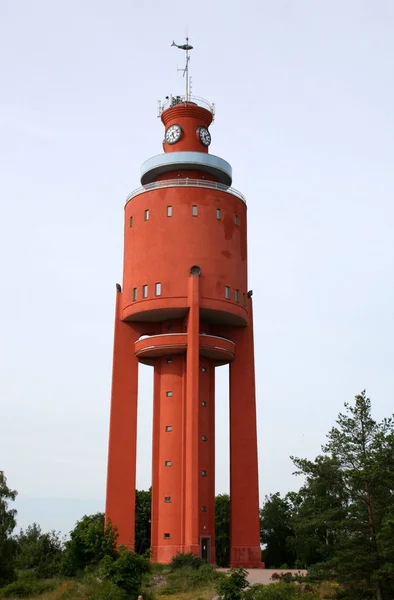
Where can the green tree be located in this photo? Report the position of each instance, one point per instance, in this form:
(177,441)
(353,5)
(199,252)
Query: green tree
(222,530)
(7,526)
(276,531)
(39,552)
(348,501)
(315,507)
(90,541)
(143,501)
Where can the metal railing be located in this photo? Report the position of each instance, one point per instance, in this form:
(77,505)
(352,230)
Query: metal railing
(200,183)
(171,101)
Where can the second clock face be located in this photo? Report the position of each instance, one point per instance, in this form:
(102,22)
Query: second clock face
(204,135)
(173,134)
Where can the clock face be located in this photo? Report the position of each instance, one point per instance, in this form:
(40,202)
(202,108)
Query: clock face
(173,134)
(204,135)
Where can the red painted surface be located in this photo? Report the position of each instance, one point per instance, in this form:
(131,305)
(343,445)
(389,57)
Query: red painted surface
(193,328)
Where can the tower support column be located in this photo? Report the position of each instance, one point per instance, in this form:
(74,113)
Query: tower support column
(244,496)
(122,451)
(192,474)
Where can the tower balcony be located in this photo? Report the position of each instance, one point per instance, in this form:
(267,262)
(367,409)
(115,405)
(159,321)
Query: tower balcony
(218,349)
(157,165)
(172,101)
(186,182)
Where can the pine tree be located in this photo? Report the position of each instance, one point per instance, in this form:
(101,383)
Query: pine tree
(348,499)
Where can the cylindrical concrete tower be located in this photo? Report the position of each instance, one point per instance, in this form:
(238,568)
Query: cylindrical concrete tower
(185,309)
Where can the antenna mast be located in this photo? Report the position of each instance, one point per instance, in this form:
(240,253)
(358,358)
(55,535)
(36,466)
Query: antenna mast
(185,70)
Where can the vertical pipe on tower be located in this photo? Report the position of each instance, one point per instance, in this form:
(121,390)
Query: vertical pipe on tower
(244,495)
(192,473)
(122,451)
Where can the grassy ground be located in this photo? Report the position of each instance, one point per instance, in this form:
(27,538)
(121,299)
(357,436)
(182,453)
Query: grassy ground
(183,584)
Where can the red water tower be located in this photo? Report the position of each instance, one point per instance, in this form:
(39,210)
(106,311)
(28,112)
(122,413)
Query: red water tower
(185,309)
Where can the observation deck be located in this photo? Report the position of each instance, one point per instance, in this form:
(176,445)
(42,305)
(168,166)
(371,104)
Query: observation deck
(197,161)
(172,101)
(194,183)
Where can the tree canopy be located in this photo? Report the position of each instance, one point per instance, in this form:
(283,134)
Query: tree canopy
(7,526)
(90,541)
(344,513)
(38,552)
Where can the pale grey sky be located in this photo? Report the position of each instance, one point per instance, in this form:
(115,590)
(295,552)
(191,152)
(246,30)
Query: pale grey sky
(304,94)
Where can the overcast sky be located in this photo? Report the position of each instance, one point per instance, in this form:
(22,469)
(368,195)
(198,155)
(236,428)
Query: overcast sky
(304,96)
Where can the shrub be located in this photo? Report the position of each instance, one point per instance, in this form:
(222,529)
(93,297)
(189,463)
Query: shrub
(25,589)
(288,577)
(108,591)
(188,579)
(281,591)
(186,560)
(126,571)
(231,587)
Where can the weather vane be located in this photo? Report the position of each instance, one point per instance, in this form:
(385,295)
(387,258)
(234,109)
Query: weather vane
(185,47)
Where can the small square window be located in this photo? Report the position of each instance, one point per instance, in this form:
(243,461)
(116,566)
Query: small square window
(204,438)
(204,473)
(203,509)
(204,369)
(227,293)
(167,499)
(134,294)
(167,536)
(218,213)
(168,427)
(168,463)
(144,291)
(194,211)
(131,221)
(244,299)
(169,211)
(236,219)
(146,215)
(169,394)
(203,403)
(157,289)
(169,360)
(236,295)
